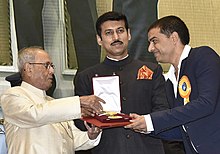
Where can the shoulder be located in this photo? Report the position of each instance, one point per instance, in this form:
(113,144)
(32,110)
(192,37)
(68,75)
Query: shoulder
(14,93)
(150,65)
(16,89)
(90,69)
(203,54)
(202,60)
(203,50)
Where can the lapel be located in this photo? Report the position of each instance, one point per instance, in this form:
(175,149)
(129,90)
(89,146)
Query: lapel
(172,101)
(184,63)
(170,93)
(182,73)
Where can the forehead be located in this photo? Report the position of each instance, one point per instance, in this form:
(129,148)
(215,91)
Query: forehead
(112,24)
(42,56)
(154,33)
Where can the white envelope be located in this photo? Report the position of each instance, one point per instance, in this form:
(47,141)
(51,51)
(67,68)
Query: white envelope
(108,89)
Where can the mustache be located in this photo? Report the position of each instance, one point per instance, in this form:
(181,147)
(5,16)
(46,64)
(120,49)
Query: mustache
(117,41)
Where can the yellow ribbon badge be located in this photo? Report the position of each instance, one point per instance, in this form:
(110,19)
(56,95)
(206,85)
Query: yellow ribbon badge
(184,88)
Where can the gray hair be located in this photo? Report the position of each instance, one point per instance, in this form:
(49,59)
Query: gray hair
(27,55)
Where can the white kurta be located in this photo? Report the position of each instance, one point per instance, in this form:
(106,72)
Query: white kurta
(38,124)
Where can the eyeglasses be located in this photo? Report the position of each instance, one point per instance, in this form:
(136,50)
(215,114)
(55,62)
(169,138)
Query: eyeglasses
(47,65)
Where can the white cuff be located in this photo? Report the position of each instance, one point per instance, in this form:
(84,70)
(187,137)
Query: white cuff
(149,124)
(95,142)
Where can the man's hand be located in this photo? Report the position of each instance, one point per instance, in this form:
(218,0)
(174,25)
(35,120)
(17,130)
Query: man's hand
(138,123)
(93,131)
(90,105)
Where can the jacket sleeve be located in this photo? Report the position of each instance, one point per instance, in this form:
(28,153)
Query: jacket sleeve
(203,72)
(81,139)
(26,110)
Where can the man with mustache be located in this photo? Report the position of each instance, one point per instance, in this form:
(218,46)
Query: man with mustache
(141,87)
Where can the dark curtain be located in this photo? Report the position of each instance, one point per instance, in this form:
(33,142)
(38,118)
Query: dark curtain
(28,22)
(140,14)
(83,15)
(29,31)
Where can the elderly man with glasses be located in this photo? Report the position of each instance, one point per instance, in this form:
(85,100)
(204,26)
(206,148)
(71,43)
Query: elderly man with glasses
(37,123)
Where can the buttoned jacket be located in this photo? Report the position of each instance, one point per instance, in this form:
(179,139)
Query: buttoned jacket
(138,95)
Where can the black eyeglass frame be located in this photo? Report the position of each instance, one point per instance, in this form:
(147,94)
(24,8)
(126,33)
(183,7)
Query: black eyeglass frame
(47,65)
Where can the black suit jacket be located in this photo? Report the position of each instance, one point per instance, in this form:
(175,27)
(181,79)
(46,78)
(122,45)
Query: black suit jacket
(200,116)
(137,96)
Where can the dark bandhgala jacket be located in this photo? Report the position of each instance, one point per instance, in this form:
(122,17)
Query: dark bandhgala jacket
(141,96)
(201,115)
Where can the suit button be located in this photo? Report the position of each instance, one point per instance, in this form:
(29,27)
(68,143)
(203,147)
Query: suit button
(120,82)
(121,68)
(124,98)
(64,150)
(128,136)
(64,141)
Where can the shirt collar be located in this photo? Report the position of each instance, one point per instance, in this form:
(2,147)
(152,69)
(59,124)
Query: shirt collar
(171,73)
(117,59)
(33,89)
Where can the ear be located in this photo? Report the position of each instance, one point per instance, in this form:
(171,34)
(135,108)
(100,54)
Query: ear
(129,34)
(99,40)
(27,69)
(175,37)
